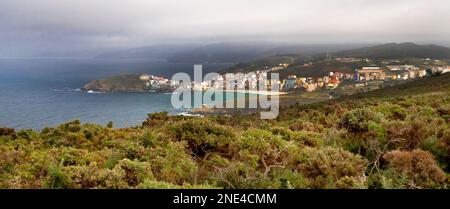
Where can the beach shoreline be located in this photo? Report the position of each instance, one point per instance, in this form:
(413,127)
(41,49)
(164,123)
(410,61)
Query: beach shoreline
(268,93)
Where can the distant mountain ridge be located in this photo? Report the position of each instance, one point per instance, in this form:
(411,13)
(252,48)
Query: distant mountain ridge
(223,52)
(398,50)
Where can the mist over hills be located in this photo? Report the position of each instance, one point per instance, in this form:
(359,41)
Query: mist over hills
(224,52)
(160,51)
(398,50)
(242,52)
(237,52)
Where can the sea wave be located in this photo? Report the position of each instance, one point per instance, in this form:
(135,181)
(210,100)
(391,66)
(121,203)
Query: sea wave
(189,114)
(95,92)
(67,89)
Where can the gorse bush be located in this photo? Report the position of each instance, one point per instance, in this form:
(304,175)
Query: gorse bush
(56,178)
(359,120)
(6,131)
(418,166)
(202,136)
(332,168)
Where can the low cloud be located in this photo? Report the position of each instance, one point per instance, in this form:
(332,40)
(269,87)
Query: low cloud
(81,24)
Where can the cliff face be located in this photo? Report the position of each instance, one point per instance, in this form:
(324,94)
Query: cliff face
(121,83)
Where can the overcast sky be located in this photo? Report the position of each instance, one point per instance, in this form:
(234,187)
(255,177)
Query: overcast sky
(78,24)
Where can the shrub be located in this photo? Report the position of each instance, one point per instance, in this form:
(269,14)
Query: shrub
(419,166)
(74,139)
(91,176)
(27,134)
(330,168)
(56,179)
(270,149)
(112,161)
(6,131)
(202,136)
(238,175)
(446,118)
(152,184)
(347,182)
(391,110)
(73,126)
(444,110)
(149,139)
(308,138)
(369,144)
(409,134)
(172,164)
(70,156)
(301,125)
(434,146)
(262,158)
(132,150)
(110,124)
(444,142)
(154,119)
(358,120)
(288,179)
(135,172)
(388,179)
(399,113)
(282,131)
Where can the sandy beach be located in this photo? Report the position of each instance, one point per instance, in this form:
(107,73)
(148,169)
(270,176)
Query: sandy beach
(252,92)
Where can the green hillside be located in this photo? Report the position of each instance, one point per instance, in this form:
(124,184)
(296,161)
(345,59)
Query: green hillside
(321,68)
(264,63)
(120,83)
(397,137)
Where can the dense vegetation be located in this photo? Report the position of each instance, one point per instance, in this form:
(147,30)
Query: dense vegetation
(393,138)
(120,83)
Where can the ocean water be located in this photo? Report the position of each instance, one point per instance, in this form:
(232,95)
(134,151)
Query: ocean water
(37,93)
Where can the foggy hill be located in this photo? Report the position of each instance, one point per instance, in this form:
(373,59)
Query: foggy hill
(223,52)
(398,50)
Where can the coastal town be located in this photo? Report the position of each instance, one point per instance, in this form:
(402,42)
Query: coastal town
(387,73)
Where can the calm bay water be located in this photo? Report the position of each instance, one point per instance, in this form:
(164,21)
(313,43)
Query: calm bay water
(37,93)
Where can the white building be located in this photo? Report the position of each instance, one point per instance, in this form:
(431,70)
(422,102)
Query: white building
(144,77)
(402,67)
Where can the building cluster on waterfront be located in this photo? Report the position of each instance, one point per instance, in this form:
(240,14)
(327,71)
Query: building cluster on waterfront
(330,81)
(259,79)
(249,81)
(155,82)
